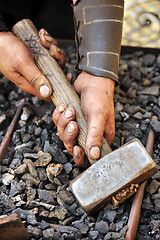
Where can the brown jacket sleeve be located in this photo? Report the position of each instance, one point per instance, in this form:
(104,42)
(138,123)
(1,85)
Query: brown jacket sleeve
(3,26)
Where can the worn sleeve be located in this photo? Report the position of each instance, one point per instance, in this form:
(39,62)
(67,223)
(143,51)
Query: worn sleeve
(98,27)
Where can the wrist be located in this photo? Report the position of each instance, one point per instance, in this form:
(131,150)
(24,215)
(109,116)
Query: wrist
(86,80)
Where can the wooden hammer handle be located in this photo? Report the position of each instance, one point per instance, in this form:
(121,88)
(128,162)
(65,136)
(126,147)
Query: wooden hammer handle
(63,90)
(135,212)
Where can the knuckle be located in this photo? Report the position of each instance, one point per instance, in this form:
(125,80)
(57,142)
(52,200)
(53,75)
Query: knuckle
(96,132)
(43,42)
(66,139)
(69,149)
(66,142)
(34,81)
(69,140)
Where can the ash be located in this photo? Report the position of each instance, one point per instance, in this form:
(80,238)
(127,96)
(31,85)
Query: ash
(44,202)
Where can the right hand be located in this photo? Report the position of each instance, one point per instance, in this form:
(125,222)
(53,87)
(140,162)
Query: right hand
(17,63)
(96,96)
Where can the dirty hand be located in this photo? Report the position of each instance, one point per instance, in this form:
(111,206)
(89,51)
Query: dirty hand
(17,63)
(97,105)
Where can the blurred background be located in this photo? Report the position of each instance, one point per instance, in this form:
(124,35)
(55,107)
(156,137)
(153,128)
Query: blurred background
(142,23)
(141,19)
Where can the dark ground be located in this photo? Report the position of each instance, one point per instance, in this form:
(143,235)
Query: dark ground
(41,199)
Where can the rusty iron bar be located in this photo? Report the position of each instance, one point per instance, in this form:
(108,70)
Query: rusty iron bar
(12,228)
(6,139)
(135,212)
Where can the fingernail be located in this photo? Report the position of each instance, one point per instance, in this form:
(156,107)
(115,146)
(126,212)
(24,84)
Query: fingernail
(44,91)
(53,47)
(48,38)
(70,127)
(69,76)
(95,152)
(75,152)
(42,31)
(68,113)
(61,109)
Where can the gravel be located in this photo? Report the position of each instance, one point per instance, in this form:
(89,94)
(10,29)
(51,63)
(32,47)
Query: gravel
(44,201)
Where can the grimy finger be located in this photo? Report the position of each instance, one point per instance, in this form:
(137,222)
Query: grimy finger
(79,156)
(45,39)
(22,83)
(37,80)
(58,112)
(68,115)
(96,125)
(58,54)
(70,136)
(51,43)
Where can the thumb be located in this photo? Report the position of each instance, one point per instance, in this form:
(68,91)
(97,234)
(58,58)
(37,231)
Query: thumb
(96,126)
(36,79)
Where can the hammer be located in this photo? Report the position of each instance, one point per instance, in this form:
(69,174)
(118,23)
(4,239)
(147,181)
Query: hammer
(117,174)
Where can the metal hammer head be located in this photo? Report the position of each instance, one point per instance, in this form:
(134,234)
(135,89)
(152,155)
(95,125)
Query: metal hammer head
(129,164)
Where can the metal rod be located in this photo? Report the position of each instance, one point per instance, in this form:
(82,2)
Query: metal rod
(135,212)
(6,140)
